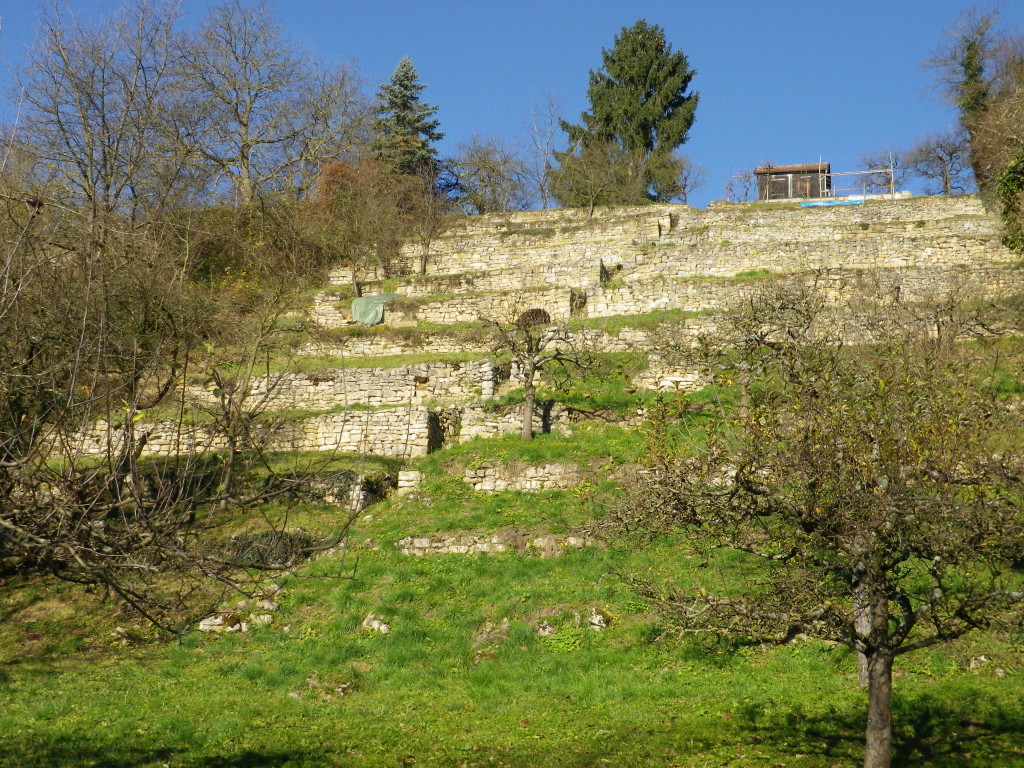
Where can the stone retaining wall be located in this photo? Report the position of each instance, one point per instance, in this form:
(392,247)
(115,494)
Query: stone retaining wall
(557,302)
(912,284)
(565,248)
(328,311)
(479,420)
(415,384)
(403,432)
(386,345)
(503,541)
(494,477)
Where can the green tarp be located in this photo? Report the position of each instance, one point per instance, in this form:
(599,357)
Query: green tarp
(369,310)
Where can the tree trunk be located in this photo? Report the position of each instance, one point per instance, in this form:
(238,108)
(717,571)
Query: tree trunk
(862,625)
(744,378)
(356,288)
(529,404)
(878,741)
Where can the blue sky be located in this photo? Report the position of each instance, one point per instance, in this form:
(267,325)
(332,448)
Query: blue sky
(781,82)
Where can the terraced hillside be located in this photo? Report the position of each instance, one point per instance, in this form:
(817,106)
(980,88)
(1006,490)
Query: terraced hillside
(477,613)
(425,378)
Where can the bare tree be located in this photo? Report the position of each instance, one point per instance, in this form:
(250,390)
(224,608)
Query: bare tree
(491,176)
(870,517)
(945,160)
(741,187)
(431,207)
(889,171)
(542,128)
(535,345)
(692,176)
(264,117)
(96,345)
(96,106)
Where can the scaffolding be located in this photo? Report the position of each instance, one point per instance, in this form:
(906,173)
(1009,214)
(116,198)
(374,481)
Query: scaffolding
(864,183)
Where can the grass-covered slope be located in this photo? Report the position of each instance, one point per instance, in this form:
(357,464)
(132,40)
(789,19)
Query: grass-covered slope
(464,677)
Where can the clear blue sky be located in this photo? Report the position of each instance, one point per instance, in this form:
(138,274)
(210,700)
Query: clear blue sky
(780,81)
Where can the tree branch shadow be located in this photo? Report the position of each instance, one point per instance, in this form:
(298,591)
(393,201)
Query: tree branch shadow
(74,752)
(927,730)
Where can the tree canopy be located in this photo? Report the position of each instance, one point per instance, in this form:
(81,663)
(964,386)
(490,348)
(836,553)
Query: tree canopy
(981,69)
(639,101)
(406,127)
(871,486)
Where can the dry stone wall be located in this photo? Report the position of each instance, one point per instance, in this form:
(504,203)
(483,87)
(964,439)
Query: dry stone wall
(495,477)
(506,540)
(416,384)
(480,420)
(633,261)
(330,312)
(383,344)
(404,432)
(496,306)
(622,262)
(387,345)
(704,295)
(727,239)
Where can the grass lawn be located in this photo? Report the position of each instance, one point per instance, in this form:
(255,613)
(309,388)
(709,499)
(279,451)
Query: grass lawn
(450,686)
(464,678)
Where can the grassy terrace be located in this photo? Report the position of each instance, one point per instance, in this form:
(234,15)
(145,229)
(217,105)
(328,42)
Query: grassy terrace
(463,678)
(454,684)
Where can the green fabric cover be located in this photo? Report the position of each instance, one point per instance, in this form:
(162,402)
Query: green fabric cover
(369,310)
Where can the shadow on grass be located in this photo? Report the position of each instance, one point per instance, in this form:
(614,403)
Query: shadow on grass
(958,728)
(80,752)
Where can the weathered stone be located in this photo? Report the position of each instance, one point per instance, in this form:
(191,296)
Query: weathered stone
(546,628)
(375,623)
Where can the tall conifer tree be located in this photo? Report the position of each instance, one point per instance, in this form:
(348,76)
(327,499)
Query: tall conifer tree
(640,102)
(406,127)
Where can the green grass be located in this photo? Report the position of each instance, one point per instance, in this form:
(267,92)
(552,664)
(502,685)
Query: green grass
(431,694)
(615,324)
(313,689)
(753,274)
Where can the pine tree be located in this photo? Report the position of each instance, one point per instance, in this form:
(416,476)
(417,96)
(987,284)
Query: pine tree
(639,101)
(405,126)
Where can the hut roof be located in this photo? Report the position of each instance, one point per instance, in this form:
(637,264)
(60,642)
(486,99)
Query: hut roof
(804,168)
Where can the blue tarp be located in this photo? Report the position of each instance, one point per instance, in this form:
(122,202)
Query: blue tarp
(818,204)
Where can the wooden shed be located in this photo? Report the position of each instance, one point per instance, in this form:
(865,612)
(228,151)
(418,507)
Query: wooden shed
(786,182)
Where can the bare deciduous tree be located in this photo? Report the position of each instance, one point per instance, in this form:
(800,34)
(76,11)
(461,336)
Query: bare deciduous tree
(535,345)
(889,168)
(431,207)
(943,159)
(491,176)
(692,176)
(97,102)
(542,128)
(264,117)
(741,187)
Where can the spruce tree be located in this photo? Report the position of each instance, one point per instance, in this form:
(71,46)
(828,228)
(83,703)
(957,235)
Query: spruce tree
(639,102)
(406,128)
